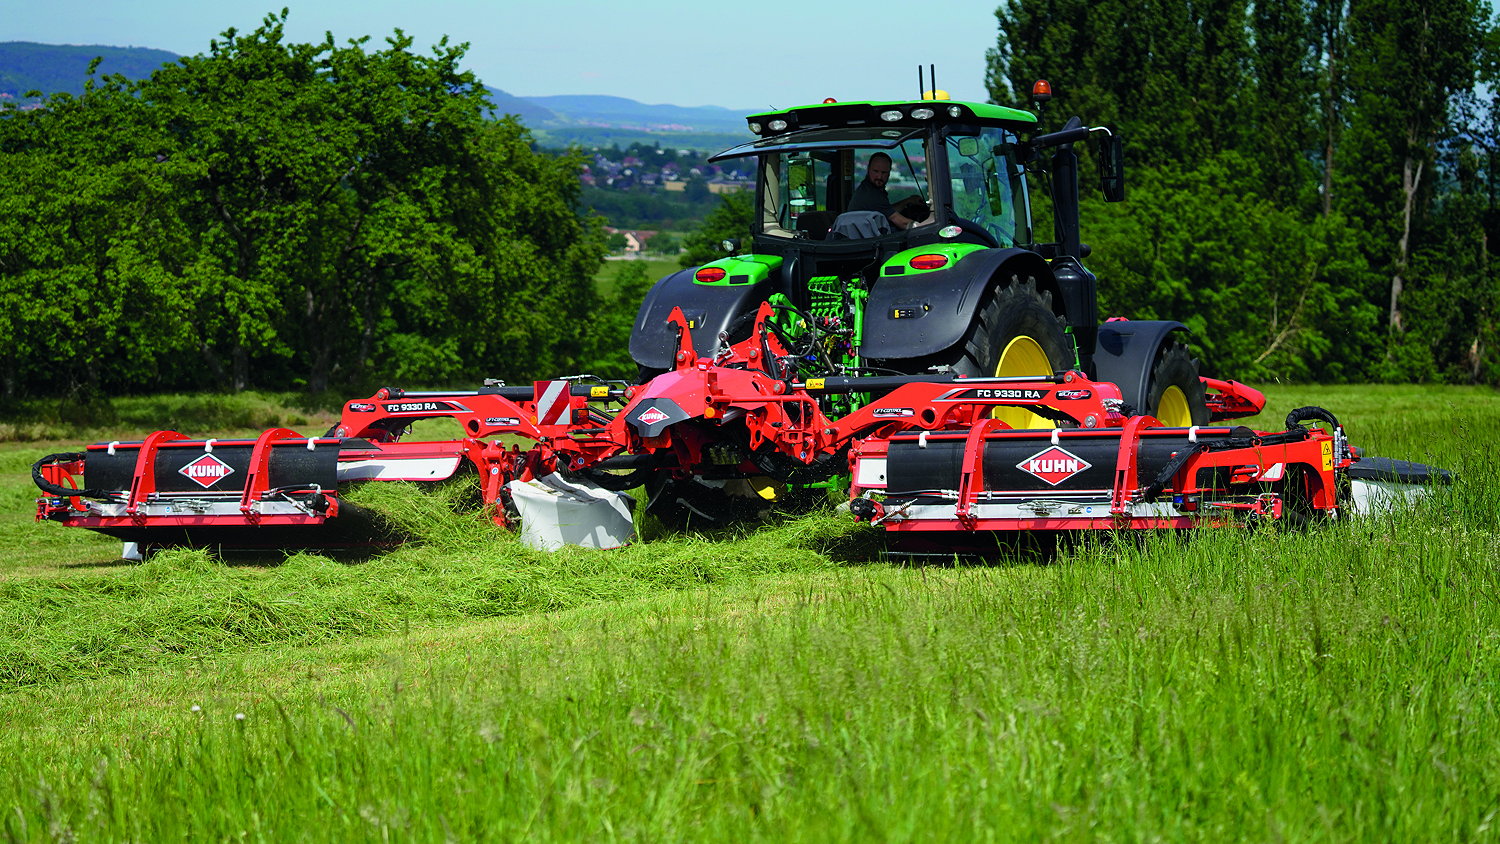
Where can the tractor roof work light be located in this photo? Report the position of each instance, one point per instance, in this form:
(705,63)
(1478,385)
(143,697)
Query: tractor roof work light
(891,115)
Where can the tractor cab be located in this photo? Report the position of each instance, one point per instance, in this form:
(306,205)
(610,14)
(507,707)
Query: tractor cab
(876,291)
(957,163)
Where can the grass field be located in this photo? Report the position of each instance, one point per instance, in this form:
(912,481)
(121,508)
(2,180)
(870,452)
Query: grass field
(790,683)
(656,267)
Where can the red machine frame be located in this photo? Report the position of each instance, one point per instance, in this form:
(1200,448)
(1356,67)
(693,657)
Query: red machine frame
(674,422)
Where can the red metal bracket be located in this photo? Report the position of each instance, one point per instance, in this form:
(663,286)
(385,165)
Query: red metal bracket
(143,484)
(686,356)
(971,482)
(1231,399)
(1127,469)
(258,475)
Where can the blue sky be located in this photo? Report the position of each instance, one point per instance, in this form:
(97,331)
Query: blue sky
(743,56)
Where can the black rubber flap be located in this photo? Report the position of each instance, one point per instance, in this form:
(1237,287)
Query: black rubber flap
(1398,471)
(187,467)
(1077,463)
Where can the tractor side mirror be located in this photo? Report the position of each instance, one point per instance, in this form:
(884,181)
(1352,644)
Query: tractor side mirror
(1111,155)
(968,147)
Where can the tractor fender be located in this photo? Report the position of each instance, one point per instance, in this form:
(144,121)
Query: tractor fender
(912,316)
(1127,349)
(709,308)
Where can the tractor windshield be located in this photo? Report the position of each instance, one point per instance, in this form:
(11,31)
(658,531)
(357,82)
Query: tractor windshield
(986,185)
(805,187)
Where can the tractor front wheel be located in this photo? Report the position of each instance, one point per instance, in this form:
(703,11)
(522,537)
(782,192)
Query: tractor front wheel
(1016,334)
(1176,396)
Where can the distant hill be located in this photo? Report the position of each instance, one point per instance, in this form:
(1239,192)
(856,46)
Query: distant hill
(582,120)
(622,113)
(530,113)
(53,68)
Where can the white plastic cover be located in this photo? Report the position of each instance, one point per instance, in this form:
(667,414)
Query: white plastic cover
(1368,498)
(557,512)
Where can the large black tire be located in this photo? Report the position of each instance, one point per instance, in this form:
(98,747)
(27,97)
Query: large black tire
(1016,334)
(1175,395)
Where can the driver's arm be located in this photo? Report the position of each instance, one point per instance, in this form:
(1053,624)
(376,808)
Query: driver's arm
(909,212)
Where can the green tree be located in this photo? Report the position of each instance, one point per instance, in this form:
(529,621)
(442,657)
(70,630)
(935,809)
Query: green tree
(730,220)
(1266,293)
(696,189)
(1173,74)
(607,335)
(89,247)
(1408,61)
(273,213)
(1341,138)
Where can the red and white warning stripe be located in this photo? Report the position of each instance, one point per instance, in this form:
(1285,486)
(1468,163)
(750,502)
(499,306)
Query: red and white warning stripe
(551,402)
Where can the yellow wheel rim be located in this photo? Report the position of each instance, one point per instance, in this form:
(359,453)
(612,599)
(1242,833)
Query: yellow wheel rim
(1022,358)
(1173,410)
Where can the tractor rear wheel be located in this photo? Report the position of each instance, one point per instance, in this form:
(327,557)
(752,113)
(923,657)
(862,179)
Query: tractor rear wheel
(1175,396)
(1016,334)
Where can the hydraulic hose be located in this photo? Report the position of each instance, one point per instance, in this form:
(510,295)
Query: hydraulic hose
(1302,414)
(59,490)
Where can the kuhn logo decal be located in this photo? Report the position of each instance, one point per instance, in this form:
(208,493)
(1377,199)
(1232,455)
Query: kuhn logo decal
(652,415)
(1054,465)
(206,471)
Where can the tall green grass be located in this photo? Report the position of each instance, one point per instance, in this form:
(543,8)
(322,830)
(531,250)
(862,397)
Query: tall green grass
(1331,685)
(184,605)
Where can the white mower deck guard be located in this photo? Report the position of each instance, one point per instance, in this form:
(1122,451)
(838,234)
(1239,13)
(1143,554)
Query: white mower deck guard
(557,512)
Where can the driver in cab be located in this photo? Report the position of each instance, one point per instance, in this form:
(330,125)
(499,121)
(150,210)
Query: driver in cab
(871,195)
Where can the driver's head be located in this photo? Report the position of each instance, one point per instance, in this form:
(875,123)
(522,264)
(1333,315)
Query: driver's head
(878,170)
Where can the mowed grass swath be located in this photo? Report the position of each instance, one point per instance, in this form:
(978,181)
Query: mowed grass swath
(1333,684)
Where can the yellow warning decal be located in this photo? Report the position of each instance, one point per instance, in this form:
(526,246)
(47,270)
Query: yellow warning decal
(1328,455)
(815,383)
(599,392)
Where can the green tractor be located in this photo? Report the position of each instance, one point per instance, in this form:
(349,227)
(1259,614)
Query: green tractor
(955,281)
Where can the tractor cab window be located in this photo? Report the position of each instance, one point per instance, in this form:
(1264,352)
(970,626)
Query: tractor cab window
(803,192)
(987,186)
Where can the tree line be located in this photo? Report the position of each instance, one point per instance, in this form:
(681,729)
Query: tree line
(1312,189)
(1313,182)
(289,215)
